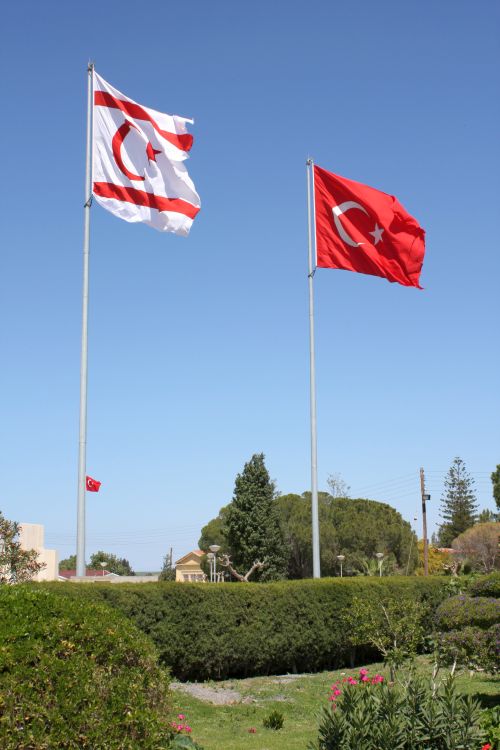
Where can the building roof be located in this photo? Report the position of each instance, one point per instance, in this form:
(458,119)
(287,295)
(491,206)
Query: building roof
(196,552)
(89,572)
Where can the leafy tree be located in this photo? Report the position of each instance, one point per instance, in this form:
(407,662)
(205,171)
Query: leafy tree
(395,627)
(479,546)
(114,564)
(355,528)
(438,562)
(69,563)
(495,478)
(458,503)
(337,486)
(16,565)
(213,532)
(296,520)
(486,516)
(252,525)
(167,572)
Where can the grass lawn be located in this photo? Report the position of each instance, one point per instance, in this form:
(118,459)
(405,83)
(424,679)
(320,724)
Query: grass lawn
(299,698)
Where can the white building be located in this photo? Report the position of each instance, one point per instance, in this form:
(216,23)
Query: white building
(31,536)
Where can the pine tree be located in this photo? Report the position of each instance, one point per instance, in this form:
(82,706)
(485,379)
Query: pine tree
(252,525)
(458,503)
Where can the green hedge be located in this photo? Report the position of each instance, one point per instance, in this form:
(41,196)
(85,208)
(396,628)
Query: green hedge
(461,611)
(77,675)
(218,631)
(486,586)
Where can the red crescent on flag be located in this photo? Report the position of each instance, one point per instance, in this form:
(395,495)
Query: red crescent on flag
(116,144)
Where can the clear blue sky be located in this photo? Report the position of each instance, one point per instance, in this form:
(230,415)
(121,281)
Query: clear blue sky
(199,347)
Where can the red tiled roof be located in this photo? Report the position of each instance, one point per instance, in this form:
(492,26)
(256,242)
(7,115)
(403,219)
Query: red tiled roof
(88,572)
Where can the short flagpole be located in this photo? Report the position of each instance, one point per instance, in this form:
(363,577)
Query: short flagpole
(314,460)
(80,527)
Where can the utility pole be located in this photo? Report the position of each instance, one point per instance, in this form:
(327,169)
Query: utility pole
(425,498)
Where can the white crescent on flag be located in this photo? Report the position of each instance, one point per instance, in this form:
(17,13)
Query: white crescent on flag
(138,155)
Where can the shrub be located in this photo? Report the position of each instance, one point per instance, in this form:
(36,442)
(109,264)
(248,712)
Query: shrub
(76,675)
(470,647)
(460,611)
(369,714)
(470,627)
(274,720)
(490,724)
(486,586)
(218,631)
(394,626)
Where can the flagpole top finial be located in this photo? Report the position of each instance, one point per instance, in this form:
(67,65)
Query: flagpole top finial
(90,66)
(309,161)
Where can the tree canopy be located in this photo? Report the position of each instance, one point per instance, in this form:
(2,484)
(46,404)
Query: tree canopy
(478,546)
(495,478)
(69,563)
(249,529)
(114,564)
(355,528)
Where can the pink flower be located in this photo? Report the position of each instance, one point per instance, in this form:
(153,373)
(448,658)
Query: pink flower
(181,716)
(363,671)
(337,692)
(187,728)
(486,747)
(352,681)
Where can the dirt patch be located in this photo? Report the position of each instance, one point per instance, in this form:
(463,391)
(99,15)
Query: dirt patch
(216,696)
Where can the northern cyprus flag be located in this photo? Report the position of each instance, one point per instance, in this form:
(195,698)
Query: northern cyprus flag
(138,162)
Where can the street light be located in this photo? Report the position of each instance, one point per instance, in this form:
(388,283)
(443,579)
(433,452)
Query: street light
(214,548)
(380,557)
(341,559)
(103,564)
(210,558)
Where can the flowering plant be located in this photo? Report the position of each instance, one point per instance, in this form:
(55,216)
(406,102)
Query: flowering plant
(368,713)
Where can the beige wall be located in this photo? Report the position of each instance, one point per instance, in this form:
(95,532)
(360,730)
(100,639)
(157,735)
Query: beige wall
(189,571)
(31,536)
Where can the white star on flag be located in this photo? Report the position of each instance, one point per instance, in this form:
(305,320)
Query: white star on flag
(138,155)
(377,234)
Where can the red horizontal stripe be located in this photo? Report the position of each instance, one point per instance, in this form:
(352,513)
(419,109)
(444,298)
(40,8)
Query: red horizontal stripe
(184,141)
(141,198)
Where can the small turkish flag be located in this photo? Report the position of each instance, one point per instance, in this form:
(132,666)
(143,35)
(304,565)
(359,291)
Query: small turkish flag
(92,484)
(362,229)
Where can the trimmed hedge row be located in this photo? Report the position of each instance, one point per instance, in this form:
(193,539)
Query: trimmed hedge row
(461,611)
(229,630)
(486,586)
(77,675)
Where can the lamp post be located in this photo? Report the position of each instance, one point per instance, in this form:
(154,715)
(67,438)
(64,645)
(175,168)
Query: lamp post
(214,548)
(210,558)
(341,559)
(380,557)
(103,565)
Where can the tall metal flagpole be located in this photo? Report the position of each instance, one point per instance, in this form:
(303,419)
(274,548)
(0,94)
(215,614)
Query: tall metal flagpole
(80,527)
(314,460)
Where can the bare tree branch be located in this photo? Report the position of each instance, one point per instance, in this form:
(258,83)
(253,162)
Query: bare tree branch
(225,561)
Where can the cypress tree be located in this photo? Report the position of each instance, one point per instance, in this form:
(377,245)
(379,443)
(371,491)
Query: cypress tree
(495,478)
(458,503)
(252,524)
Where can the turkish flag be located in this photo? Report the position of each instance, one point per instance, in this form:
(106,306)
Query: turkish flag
(92,484)
(138,162)
(362,229)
